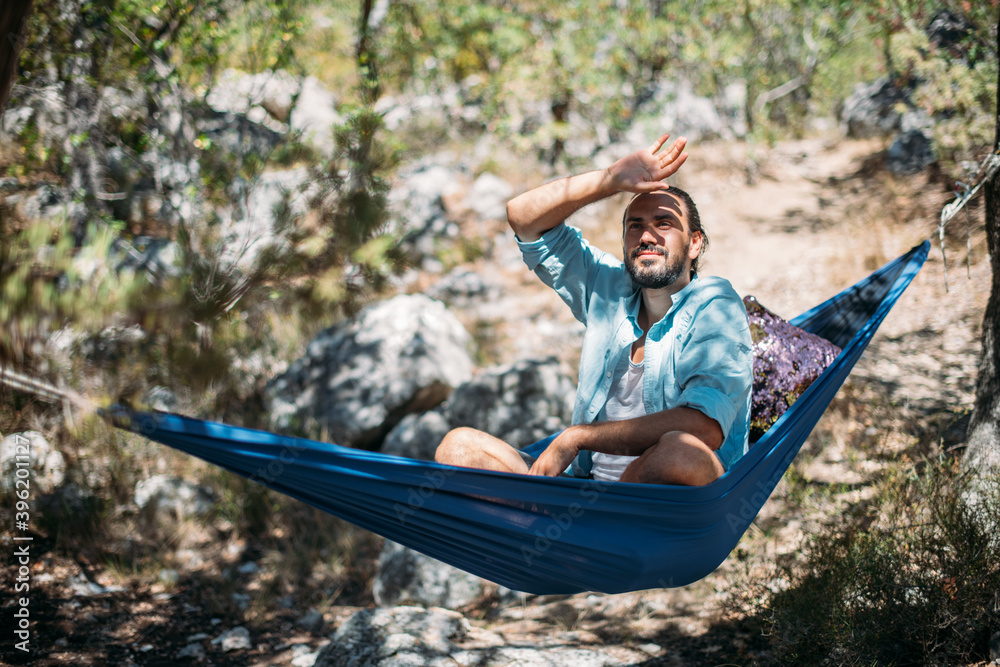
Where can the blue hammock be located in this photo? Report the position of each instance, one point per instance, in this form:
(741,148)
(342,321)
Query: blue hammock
(548,535)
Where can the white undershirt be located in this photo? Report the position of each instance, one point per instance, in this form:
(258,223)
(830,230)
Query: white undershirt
(624,402)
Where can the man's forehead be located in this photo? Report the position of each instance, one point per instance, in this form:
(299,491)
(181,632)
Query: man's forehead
(649,203)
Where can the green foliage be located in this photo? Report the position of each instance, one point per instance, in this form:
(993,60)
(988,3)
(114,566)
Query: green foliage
(957,87)
(600,61)
(214,308)
(912,581)
(147,47)
(349,254)
(47,282)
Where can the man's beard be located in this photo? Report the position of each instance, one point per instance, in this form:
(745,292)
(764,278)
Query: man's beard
(659,275)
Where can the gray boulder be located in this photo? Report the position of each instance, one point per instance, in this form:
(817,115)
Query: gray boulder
(518,403)
(194,650)
(45,201)
(159,397)
(44,104)
(111,343)
(910,153)
(279,102)
(233,640)
(249,227)
(405,576)
(312,621)
(44,465)
(315,115)
(488,197)
(417,436)
(426,110)
(417,202)
(465,287)
(130,105)
(948,30)
(874,109)
(416,637)
(397,637)
(15,120)
(358,379)
(155,257)
(266,97)
(165,498)
(452,108)
(676,105)
(233,132)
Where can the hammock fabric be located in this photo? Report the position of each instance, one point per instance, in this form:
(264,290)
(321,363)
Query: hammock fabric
(555,534)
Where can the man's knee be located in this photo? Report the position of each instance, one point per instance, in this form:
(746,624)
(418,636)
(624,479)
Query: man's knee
(692,462)
(470,448)
(677,458)
(454,447)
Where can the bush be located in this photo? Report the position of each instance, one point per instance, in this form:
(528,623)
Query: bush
(913,579)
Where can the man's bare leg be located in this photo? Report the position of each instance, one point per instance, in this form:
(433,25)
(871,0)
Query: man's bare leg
(470,448)
(678,458)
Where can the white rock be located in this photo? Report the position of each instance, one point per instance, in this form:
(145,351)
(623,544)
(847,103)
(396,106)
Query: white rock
(519,403)
(397,636)
(305,659)
(359,378)
(407,576)
(265,97)
(83,587)
(249,228)
(194,651)
(166,497)
(315,115)
(417,436)
(488,197)
(44,465)
(233,640)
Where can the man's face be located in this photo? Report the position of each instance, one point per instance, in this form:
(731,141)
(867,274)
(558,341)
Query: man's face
(658,245)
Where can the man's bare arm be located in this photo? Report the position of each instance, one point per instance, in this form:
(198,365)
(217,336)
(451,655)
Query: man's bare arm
(538,210)
(629,437)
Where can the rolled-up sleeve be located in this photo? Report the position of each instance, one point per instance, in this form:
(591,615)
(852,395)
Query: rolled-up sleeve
(567,263)
(714,362)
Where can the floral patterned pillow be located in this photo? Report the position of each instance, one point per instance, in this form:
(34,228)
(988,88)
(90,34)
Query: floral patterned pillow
(786,360)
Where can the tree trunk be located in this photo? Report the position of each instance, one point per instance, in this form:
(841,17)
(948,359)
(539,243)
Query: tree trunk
(365,54)
(79,75)
(983,453)
(13,28)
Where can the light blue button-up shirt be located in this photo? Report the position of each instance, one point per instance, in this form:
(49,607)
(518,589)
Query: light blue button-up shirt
(698,356)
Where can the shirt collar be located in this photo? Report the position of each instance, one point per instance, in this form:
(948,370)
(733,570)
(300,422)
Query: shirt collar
(634,299)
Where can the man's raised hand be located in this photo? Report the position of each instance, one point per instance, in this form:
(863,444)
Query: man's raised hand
(644,170)
(540,209)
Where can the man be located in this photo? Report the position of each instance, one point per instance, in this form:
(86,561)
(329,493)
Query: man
(666,367)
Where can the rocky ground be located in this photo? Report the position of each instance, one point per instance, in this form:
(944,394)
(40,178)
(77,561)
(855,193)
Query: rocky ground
(791,225)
